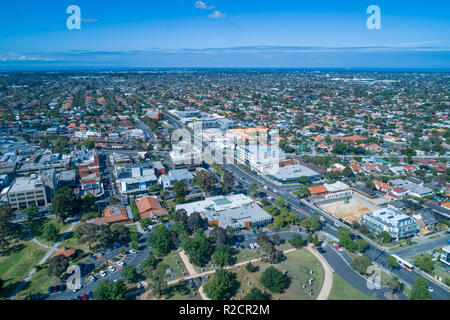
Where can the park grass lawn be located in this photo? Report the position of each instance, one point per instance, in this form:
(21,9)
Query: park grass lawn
(246,254)
(342,290)
(38,285)
(16,266)
(439,272)
(182,291)
(284,246)
(297,265)
(37,226)
(171,260)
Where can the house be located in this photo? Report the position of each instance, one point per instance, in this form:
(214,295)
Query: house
(335,191)
(67,252)
(382,187)
(425,220)
(114,214)
(149,207)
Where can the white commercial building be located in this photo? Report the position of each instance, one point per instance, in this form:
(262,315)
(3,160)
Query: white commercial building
(236,211)
(27,191)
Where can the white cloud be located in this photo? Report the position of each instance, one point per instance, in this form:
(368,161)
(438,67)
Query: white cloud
(202,5)
(217,15)
(13,56)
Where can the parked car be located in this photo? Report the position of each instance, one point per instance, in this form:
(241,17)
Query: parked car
(91,278)
(132,251)
(251,246)
(430,289)
(256,245)
(120,263)
(75,289)
(337,224)
(103,273)
(111,268)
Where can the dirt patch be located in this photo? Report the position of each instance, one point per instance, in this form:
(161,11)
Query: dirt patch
(349,212)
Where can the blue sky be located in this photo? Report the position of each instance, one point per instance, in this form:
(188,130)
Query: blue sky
(245,33)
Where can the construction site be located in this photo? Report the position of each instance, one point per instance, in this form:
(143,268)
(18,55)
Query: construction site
(348,210)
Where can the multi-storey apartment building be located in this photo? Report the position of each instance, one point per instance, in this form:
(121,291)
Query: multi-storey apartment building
(397,224)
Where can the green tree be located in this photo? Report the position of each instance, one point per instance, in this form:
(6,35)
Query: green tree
(222,285)
(394,284)
(160,240)
(181,216)
(269,254)
(297,241)
(425,262)
(65,204)
(88,202)
(195,222)
(250,267)
(109,290)
(153,188)
(219,235)
(227,183)
(385,237)
(361,264)
(280,202)
(50,232)
(180,190)
(316,240)
(58,265)
(392,262)
(158,283)
(31,211)
(206,180)
(130,274)
(419,290)
(150,263)
(252,188)
(256,294)
(309,238)
(87,232)
(121,233)
(360,245)
(302,193)
(274,280)
(198,248)
(6,217)
(223,255)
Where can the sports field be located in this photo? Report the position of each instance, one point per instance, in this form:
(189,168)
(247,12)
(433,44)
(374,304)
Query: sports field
(351,211)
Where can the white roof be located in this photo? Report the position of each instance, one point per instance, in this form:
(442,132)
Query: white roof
(337,186)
